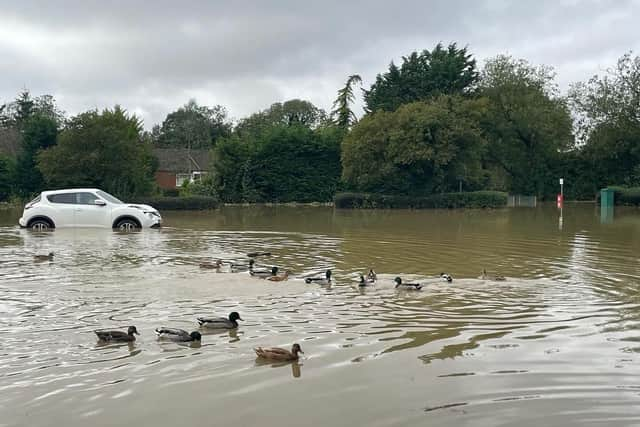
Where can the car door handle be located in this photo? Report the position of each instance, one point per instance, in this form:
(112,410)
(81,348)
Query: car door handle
(78,210)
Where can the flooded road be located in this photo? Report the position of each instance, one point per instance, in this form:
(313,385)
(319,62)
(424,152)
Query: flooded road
(557,343)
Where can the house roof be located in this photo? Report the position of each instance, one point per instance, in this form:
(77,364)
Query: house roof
(182,160)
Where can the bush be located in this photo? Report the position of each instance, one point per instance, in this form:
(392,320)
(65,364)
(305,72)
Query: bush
(171,192)
(476,199)
(180,203)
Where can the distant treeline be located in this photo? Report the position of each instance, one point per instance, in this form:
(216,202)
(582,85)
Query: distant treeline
(435,123)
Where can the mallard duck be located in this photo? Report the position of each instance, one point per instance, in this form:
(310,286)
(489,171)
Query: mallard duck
(263,274)
(486,276)
(408,286)
(117,336)
(446,277)
(177,335)
(365,282)
(211,265)
(237,268)
(220,322)
(371,275)
(285,276)
(47,257)
(276,353)
(326,280)
(257,254)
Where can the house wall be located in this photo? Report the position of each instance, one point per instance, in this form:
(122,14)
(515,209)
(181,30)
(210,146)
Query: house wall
(166,180)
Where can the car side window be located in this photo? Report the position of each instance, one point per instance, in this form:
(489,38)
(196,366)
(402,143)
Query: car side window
(86,198)
(67,198)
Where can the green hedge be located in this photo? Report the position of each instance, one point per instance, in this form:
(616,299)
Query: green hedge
(476,199)
(180,203)
(624,195)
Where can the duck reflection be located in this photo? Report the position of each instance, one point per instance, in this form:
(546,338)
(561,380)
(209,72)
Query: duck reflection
(295,365)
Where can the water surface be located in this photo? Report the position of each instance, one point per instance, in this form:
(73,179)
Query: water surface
(555,344)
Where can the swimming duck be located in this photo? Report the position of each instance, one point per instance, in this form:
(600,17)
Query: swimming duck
(211,265)
(48,257)
(486,276)
(409,286)
(117,336)
(365,282)
(276,353)
(285,276)
(177,335)
(326,280)
(263,274)
(220,322)
(371,275)
(446,277)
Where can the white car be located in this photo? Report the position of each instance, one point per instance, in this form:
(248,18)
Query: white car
(86,207)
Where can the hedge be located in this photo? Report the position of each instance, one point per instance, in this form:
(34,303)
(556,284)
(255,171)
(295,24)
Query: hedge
(624,195)
(476,199)
(180,203)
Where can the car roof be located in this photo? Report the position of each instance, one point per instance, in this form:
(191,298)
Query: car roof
(69,190)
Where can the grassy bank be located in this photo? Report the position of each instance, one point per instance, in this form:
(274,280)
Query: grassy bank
(190,203)
(476,199)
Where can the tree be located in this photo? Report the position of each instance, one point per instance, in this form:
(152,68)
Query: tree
(193,126)
(342,114)
(100,149)
(608,111)
(6,175)
(39,132)
(528,125)
(18,112)
(424,75)
(289,113)
(281,164)
(421,148)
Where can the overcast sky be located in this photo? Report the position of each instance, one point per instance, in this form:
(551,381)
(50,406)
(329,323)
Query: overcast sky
(151,57)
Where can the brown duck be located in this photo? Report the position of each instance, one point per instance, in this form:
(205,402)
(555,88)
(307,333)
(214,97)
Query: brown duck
(118,336)
(276,353)
(48,257)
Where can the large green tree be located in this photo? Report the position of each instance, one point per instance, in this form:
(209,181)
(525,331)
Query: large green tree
(39,132)
(421,148)
(100,149)
(294,112)
(442,71)
(608,111)
(280,164)
(342,114)
(528,124)
(6,177)
(193,126)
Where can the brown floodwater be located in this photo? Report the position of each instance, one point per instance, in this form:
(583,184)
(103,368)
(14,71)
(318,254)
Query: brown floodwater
(557,343)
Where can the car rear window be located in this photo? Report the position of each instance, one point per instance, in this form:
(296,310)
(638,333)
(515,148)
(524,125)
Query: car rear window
(69,198)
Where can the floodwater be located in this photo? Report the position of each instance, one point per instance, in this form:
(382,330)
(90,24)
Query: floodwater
(558,343)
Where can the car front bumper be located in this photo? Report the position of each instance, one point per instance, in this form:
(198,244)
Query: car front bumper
(22,222)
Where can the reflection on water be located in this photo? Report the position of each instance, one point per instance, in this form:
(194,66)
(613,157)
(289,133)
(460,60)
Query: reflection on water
(555,344)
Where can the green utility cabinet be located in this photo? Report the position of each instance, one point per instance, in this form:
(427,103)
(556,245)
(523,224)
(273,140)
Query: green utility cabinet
(606,198)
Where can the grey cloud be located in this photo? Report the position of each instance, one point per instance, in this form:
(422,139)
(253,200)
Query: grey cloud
(153,57)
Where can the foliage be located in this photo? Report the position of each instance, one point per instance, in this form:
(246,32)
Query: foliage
(295,112)
(18,112)
(192,126)
(100,149)
(38,133)
(476,199)
(608,111)
(281,164)
(420,148)
(424,75)
(527,124)
(342,114)
(6,178)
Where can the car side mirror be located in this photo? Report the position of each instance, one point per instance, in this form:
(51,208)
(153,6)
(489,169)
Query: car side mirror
(99,202)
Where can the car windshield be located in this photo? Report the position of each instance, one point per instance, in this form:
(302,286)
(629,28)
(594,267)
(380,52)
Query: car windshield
(109,198)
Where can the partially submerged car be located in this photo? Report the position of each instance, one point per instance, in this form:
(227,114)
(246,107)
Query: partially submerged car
(86,207)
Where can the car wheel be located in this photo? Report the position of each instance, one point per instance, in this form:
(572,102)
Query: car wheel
(40,225)
(127,225)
